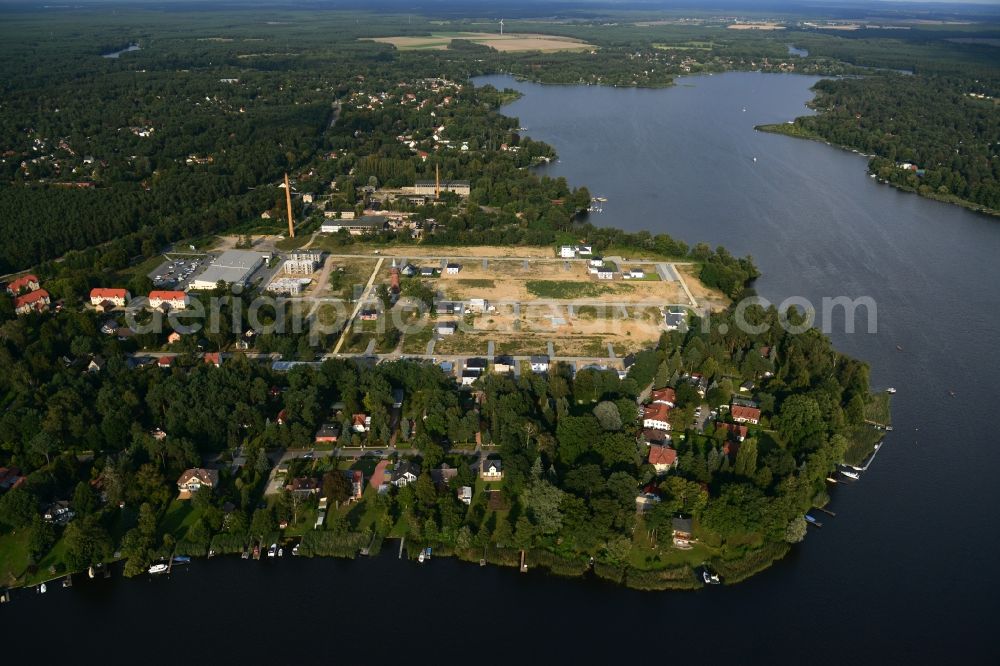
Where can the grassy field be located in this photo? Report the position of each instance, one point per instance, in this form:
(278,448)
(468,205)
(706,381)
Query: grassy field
(558,289)
(13,555)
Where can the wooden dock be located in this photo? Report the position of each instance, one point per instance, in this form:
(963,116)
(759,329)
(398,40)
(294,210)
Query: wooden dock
(524,567)
(401,542)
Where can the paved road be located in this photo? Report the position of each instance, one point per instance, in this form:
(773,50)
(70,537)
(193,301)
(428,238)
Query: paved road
(357,308)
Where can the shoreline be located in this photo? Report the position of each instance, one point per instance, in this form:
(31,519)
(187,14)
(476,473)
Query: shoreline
(779,129)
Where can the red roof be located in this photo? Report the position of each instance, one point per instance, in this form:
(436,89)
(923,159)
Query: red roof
(38,297)
(661,455)
(737,429)
(213,357)
(165,361)
(665,395)
(106,293)
(23,282)
(657,411)
(748,413)
(167,295)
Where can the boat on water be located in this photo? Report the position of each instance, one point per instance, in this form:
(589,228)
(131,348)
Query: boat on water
(67,581)
(710,578)
(245,555)
(158,568)
(755,159)
(890,390)
(181,559)
(90,572)
(420,557)
(42,589)
(273,550)
(281,552)
(295,549)
(850,475)
(812,520)
(256,552)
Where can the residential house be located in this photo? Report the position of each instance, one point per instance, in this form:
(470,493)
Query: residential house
(361,422)
(327,433)
(682,532)
(405,473)
(747,386)
(604,273)
(196,478)
(173,337)
(634,274)
(165,361)
(479,305)
(646,501)
(453,269)
(666,396)
(477,365)
(490,470)
(173,300)
(465,494)
(369,315)
(304,486)
(539,363)
(652,436)
(675,319)
(409,270)
(357,479)
(443,475)
(595,262)
(662,458)
(214,358)
(397,398)
(33,301)
(503,363)
(736,430)
(427,271)
(118,297)
(742,414)
(585,250)
(567,252)
(10,477)
(96,364)
(449,308)
(468,377)
(446,327)
(656,416)
(59,513)
(23,283)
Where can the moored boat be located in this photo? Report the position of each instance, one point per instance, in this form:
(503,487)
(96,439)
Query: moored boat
(273,550)
(850,475)
(158,568)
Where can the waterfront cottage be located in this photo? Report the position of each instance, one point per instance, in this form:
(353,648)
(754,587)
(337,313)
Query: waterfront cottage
(682,532)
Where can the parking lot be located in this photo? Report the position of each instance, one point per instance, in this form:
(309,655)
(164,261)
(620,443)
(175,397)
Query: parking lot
(178,270)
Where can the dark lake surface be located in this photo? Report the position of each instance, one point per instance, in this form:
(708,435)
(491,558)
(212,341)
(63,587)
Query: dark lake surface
(905,573)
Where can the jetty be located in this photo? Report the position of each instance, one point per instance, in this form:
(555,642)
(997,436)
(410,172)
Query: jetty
(401,542)
(524,566)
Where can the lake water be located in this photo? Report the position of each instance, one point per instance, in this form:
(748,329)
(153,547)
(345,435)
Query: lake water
(905,573)
(127,49)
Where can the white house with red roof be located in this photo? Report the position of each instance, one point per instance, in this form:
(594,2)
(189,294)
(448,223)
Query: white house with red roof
(24,283)
(662,458)
(174,300)
(744,414)
(119,297)
(667,396)
(655,416)
(33,301)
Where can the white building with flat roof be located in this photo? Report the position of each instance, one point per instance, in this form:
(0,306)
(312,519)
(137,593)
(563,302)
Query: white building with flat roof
(231,267)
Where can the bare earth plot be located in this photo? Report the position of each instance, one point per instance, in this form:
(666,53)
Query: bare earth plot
(508,42)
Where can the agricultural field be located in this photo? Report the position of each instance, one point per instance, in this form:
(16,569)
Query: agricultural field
(508,42)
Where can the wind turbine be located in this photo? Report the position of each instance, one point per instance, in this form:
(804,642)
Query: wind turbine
(501,26)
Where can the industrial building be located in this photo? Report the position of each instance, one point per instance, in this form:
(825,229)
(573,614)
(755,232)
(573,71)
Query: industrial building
(231,267)
(358,227)
(430,188)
